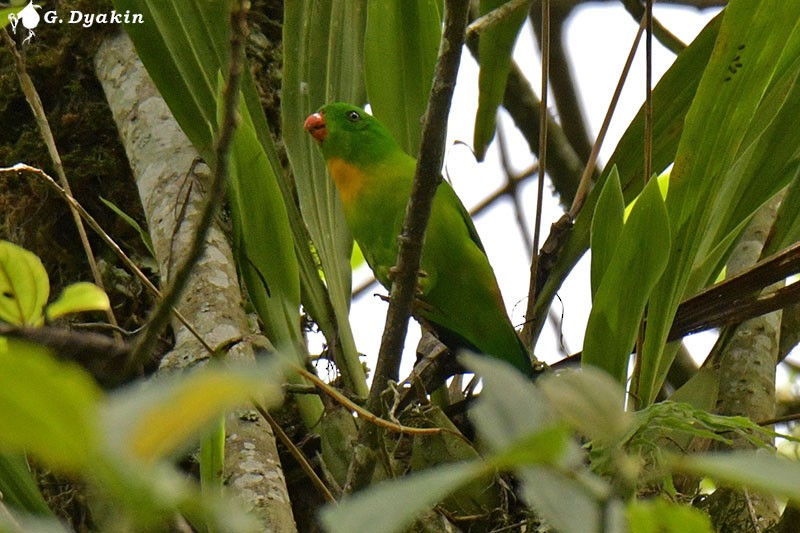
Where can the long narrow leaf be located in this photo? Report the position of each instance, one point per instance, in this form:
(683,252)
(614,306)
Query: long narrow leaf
(401,44)
(786,229)
(18,486)
(759,471)
(377,509)
(607,224)
(494,55)
(637,263)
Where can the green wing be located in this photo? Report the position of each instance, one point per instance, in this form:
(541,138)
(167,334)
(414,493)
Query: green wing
(450,196)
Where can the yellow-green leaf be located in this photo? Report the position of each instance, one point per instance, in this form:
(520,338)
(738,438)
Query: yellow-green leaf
(607,224)
(47,408)
(173,412)
(637,263)
(77,297)
(660,516)
(24,286)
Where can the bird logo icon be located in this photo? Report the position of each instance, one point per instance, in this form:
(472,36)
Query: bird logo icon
(29,18)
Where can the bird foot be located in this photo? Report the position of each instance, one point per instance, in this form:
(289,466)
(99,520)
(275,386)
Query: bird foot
(421,276)
(393,273)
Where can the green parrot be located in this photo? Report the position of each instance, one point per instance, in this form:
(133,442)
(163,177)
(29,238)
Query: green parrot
(457,290)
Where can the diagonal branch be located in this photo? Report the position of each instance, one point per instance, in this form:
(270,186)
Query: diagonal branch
(426,180)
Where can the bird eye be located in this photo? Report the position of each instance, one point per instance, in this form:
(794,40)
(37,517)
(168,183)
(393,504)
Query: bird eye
(353,116)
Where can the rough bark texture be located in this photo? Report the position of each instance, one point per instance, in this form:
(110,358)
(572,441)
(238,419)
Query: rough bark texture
(747,384)
(170,185)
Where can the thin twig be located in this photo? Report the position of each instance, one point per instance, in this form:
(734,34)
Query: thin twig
(524,106)
(648,165)
(106,238)
(229,120)
(527,331)
(586,179)
(362,413)
(562,82)
(35,103)
(297,453)
(511,188)
(794,417)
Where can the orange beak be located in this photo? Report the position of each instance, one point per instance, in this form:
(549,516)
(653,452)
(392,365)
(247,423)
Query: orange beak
(315,125)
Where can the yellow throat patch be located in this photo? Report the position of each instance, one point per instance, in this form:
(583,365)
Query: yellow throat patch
(349,179)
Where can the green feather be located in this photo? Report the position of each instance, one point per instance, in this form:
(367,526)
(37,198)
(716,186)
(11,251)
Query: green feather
(460,296)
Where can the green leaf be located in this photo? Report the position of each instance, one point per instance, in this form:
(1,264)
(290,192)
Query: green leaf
(323,46)
(78,297)
(733,156)
(182,44)
(549,446)
(143,235)
(391,506)
(663,186)
(701,390)
(24,286)
(590,401)
(158,419)
(607,224)
(760,471)
(47,408)
(401,45)
(786,229)
(257,205)
(638,262)
(212,457)
(23,524)
(18,486)
(566,503)
(494,56)
(54,412)
(510,408)
(660,516)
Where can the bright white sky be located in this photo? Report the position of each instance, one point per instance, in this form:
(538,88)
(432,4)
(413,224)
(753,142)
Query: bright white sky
(599,38)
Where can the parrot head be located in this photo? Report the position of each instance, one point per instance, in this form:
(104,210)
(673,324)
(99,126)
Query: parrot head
(348,132)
